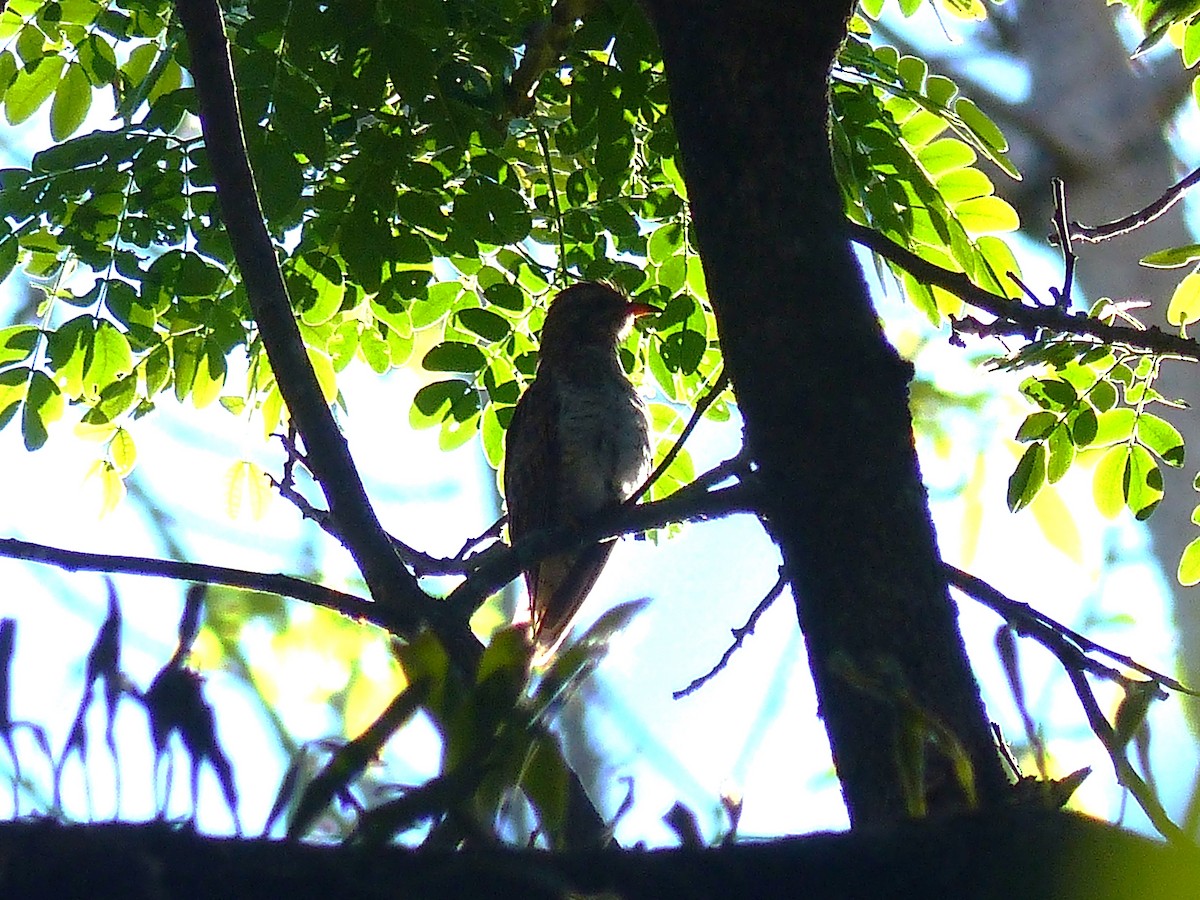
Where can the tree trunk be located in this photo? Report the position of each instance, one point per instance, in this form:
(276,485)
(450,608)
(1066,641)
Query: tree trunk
(824,397)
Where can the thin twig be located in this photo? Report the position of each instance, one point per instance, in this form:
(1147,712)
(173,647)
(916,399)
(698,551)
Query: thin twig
(1069,648)
(1126,774)
(1094,234)
(702,406)
(1062,297)
(271,583)
(739,637)
(544,144)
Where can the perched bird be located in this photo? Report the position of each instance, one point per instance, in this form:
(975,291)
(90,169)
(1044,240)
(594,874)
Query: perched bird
(578,443)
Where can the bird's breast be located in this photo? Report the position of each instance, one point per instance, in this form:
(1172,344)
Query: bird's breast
(604,438)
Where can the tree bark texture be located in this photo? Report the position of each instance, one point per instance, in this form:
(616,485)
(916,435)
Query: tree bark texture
(824,396)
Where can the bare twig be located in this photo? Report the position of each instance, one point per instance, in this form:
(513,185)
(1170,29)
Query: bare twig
(271,583)
(1126,774)
(1024,318)
(1062,296)
(1035,624)
(1094,234)
(1070,648)
(492,532)
(739,637)
(702,405)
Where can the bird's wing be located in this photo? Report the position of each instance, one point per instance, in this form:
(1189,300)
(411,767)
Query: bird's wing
(534,493)
(565,581)
(532,468)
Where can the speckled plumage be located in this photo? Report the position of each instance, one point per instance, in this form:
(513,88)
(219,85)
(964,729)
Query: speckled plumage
(578,443)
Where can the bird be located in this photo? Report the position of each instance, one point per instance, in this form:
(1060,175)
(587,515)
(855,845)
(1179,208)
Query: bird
(578,443)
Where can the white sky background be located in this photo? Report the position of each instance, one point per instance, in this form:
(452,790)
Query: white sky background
(753,730)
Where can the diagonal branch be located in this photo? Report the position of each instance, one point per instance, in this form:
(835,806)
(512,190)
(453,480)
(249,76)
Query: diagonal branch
(1094,234)
(329,457)
(1028,318)
(739,637)
(702,405)
(271,583)
(1070,648)
(543,48)
(1047,631)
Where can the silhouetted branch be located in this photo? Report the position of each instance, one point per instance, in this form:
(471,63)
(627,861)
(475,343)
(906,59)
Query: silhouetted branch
(739,637)
(1071,648)
(543,48)
(271,583)
(702,405)
(500,564)
(328,456)
(1094,234)
(1025,319)
(1062,296)
(1032,623)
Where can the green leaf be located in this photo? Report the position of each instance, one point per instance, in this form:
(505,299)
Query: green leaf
(14,386)
(72,100)
(987,215)
(432,402)
(31,88)
(485,323)
(1108,481)
(1036,426)
(185,357)
(1062,454)
(43,404)
(454,356)
(1184,308)
(209,376)
(983,127)
(1050,393)
(122,451)
(1172,258)
(1084,426)
(17,343)
(1103,396)
(1161,437)
(1189,564)
(1143,483)
(1114,426)
(1028,477)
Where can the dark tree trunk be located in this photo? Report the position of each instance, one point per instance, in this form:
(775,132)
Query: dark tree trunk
(824,396)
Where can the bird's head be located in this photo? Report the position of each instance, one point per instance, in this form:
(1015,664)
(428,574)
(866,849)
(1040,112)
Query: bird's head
(590,313)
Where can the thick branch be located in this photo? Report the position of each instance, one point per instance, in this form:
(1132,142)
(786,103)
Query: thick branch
(1028,318)
(329,456)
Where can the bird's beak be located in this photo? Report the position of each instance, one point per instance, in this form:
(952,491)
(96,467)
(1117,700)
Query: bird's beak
(638,309)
